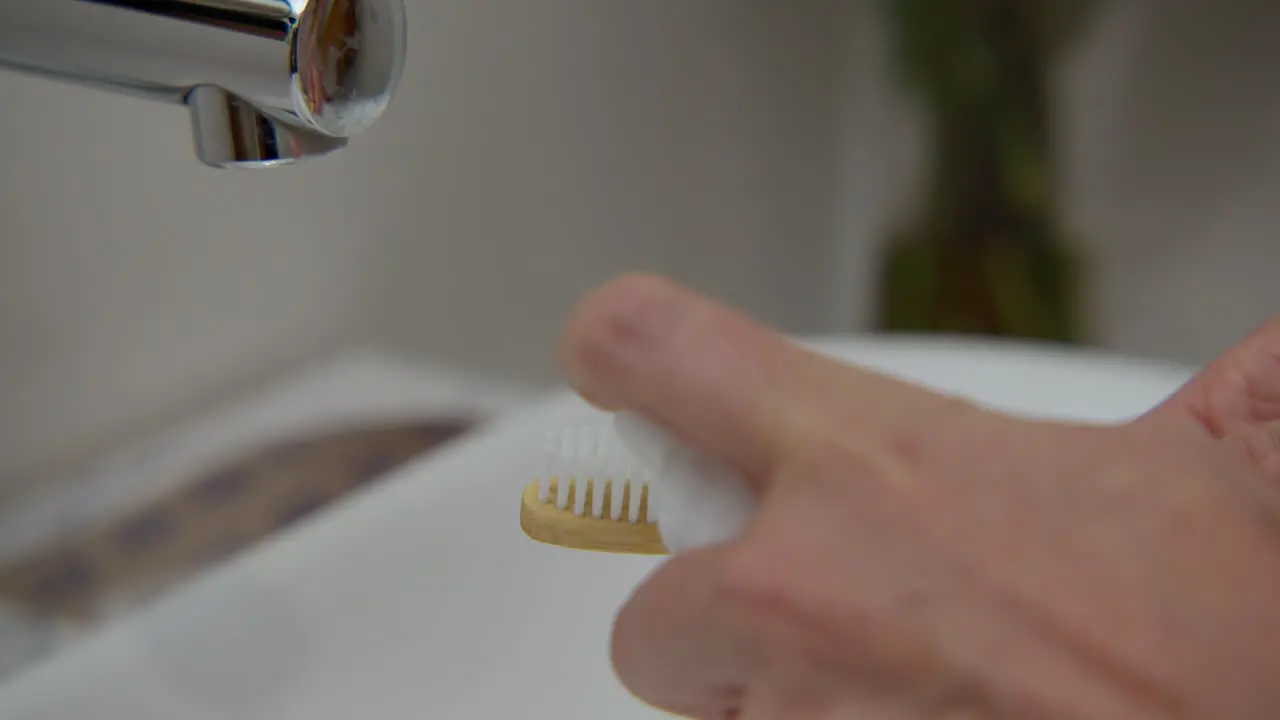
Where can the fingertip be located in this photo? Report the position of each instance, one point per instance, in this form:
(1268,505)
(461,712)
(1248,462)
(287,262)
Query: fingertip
(613,329)
(713,377)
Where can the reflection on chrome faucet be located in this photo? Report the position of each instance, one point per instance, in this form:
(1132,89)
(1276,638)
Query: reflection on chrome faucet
(266,81)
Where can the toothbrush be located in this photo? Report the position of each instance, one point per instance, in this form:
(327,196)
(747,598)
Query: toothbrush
(620,484)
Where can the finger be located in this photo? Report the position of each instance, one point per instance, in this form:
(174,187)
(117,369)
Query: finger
(673,646)
(730,386)
(1241,388)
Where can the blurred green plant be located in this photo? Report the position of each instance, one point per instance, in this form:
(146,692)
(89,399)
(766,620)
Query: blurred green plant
(989,255)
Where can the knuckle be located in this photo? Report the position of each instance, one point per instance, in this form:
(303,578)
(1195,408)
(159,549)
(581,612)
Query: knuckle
(764,595)
(837,465)
(768,575)
(1244,385)
(1261,446)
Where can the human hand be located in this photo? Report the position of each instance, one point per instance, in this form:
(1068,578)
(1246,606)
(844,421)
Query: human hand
(917,557)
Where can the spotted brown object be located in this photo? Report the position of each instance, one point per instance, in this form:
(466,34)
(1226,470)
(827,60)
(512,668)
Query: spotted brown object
(235,505)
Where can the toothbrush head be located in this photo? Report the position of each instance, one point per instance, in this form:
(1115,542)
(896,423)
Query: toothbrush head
(616,483)
(544,520)
(591,495)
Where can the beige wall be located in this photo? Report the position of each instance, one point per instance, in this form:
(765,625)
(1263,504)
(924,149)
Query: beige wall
(541,147)
(537,148)
(1171,121)
(1175,172)
(754,148)
(134,282)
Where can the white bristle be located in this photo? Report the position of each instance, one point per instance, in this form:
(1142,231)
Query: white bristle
(635,488)
(547,470)
(587,442)
(588,456)
(617,491)
(627,484)
(604,474)
(568,473)
(617,481)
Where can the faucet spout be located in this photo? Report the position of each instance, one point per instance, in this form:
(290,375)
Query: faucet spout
(266,81)
(230,132)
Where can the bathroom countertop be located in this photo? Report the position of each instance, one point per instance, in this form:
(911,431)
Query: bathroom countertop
(97,545)
(421,597)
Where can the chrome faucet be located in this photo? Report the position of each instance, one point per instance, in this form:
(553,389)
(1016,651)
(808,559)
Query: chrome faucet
(266,81)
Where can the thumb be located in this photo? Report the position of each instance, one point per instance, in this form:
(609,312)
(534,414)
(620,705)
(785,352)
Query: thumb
(675,644)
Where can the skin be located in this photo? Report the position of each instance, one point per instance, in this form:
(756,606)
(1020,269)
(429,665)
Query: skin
(917,557)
